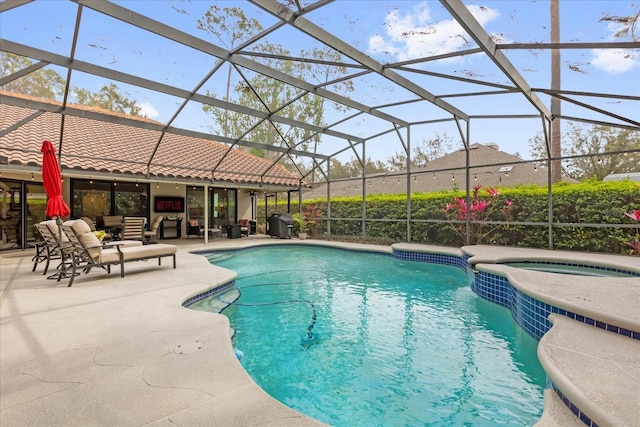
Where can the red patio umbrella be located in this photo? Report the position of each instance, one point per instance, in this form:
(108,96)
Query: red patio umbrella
(52,180)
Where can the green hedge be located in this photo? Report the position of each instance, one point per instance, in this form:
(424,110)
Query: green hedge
(593,202)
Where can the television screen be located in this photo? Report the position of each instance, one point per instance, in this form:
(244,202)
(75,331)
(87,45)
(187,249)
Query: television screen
(169,204)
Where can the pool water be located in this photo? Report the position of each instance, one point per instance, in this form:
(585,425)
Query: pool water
(357,339)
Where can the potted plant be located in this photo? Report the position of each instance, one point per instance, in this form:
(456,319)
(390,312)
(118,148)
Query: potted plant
(301,222)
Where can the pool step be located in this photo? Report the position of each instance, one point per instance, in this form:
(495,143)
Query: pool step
(219,256)
(597,371)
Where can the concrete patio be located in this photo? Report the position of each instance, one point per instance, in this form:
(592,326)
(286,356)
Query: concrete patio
(113,351)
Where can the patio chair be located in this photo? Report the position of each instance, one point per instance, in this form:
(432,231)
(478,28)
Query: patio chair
(194,228)
(88,252)
(52,248)
(113,225)
(244,227)
(153,231)
(133,228)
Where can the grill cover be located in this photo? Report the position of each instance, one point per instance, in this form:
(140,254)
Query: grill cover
(280,225)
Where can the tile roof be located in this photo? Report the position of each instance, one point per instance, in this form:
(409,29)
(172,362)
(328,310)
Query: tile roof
(445,173)
(109,147)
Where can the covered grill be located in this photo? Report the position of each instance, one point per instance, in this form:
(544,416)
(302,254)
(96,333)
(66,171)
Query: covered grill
(280,225)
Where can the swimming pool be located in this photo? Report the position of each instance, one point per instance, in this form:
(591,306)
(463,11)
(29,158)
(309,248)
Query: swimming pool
(392,342)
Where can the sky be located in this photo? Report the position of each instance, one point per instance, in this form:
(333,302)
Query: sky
(388,32)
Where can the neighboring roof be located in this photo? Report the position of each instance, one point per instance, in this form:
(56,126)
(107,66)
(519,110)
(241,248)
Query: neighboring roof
(500,170)
(91,145)
(632,176)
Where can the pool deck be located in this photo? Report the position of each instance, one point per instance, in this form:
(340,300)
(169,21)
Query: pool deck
(113,351)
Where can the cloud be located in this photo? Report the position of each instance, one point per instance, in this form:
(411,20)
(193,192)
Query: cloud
(147,110)
(613,61)
(414,34)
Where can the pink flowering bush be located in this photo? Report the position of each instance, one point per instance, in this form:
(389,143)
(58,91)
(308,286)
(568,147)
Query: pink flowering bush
(478,212)
(312,215)
(634,244)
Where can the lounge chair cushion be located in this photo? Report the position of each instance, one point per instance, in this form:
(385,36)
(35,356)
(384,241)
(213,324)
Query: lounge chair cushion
(89,239)
(53,226)
(86,237)
(131,249)
(137,252)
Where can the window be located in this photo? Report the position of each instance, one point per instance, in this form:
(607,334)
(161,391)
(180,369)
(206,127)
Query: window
(90,198)
(93,199)
(223,206)
(195,205)
(131,199)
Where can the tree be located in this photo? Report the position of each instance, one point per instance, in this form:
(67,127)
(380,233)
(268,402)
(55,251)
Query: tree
(352,168)
(230,27)
(109,98)
(582,146)
(629,24)
(48,84)
(42,83)
(422,153)
(264,93)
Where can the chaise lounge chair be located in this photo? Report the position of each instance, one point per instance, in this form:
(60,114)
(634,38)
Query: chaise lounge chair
(52,248)
(88,252)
